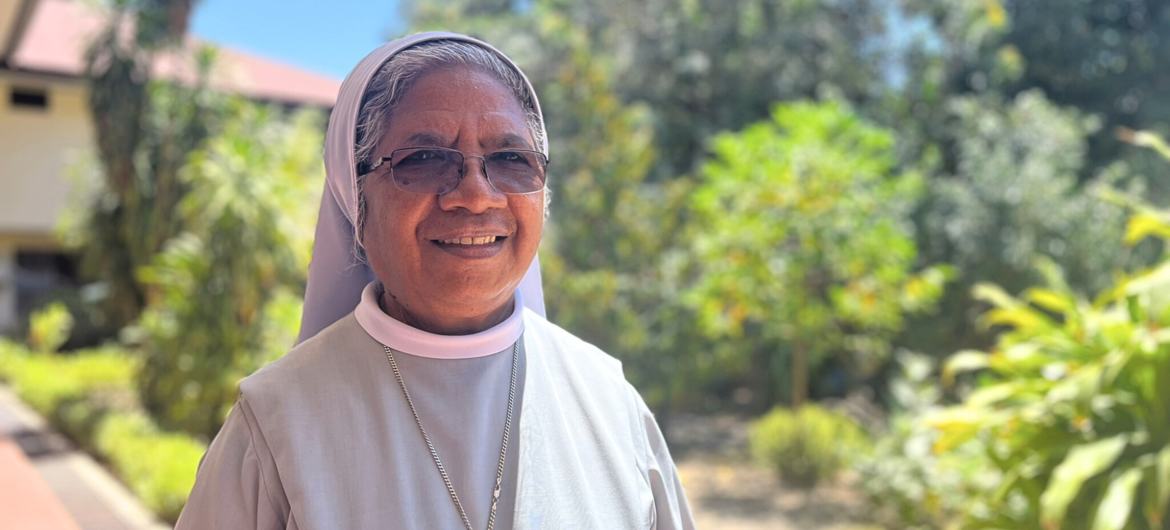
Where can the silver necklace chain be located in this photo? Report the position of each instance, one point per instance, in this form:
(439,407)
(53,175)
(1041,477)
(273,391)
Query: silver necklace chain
(435,454)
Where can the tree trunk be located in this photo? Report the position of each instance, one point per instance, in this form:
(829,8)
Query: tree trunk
(799,375)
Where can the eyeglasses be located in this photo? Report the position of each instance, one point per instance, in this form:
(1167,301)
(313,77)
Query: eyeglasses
(438,170)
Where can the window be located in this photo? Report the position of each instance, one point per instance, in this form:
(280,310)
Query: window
(29,98)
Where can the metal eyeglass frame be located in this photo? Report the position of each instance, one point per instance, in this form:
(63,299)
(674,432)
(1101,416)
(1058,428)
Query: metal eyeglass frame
(544,162)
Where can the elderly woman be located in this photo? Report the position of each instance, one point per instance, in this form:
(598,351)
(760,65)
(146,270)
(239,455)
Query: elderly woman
(443,399)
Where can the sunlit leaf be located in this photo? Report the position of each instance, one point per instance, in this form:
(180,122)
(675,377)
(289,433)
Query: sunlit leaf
(994,295)
(1146,224)
(1081,464)
(1051,300)
(964,361)
(1115,507)
(1158,486)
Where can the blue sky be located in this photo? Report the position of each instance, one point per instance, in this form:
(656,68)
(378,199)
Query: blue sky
(327,37)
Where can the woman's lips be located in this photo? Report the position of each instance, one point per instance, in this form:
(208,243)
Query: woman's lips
(469,240)
(471,247)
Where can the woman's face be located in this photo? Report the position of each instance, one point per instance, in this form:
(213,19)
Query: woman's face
(431,283)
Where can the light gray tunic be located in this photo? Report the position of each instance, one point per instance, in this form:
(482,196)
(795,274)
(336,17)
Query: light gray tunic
(323,439)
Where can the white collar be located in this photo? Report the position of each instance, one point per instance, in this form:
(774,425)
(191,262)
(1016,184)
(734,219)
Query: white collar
(402,337)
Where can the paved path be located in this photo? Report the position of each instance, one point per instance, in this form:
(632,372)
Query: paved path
(83,490)
(26,502)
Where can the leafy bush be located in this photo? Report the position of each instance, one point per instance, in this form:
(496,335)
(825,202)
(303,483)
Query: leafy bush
(158,467)
(1073,400)
(248,218)
(11,353)
(89,395)
(807,446)
(802,231)
(49,328)
(1012,193)
(47,382)
(907,485)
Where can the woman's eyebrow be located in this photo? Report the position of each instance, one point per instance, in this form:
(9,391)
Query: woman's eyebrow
(426,139)
(512,141)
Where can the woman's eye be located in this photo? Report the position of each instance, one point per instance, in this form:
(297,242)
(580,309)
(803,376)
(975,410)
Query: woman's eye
(422,155)
(508,157)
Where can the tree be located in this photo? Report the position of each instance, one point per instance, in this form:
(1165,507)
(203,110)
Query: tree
(803,238)
(144,129)
(224,294)
(1014,195)
(1104,57)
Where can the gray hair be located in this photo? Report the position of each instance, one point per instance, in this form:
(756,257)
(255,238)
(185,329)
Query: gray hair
(397,75)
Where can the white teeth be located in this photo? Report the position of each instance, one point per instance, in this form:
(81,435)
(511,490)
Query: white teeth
(469,240)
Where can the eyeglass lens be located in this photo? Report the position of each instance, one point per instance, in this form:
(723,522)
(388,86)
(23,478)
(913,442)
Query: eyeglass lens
(425,170)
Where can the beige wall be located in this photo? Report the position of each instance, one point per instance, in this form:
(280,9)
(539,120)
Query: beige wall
(8,11)
(36,149)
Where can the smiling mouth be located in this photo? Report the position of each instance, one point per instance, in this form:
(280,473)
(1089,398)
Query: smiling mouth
(470,241)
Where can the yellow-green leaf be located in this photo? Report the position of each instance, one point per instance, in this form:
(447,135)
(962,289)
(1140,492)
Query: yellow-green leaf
(1051,300)
(993,295)
(1020,318)
(1082,463)
(1115,507)
(1146,224)
(964,361)
(955,426)
(990,395)
(1158,489)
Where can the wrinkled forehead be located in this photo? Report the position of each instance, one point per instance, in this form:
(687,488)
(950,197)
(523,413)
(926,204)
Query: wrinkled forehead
(458,105)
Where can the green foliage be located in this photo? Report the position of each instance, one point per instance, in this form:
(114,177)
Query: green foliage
(1012,196)
(1073,401)
(158,467)
(249,218)
(144,130)
(908,485)
(1105,58)
(807,446)
(700,66)
(802,235)
(89,395)
(49,382)
(49,328)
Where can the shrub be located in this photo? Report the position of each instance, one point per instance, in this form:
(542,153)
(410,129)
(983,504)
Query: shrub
(11,353)
(89,395)
(49,328)
(158,467)
(907,485)
(807,446)
(1073,400)
(46,382)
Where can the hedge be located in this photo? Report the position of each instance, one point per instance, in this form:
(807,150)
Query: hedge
(89,396)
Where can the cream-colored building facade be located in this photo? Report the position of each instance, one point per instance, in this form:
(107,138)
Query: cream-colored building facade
(45,128)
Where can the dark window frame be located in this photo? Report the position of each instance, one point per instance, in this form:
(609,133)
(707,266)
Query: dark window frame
(29,98)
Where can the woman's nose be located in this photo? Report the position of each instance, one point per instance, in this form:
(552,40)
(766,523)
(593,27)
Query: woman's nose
(474,192)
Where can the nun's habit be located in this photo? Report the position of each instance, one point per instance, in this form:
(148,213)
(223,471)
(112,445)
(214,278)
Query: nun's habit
(324,439)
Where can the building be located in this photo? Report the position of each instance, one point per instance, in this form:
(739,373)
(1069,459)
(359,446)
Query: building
(45,126)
